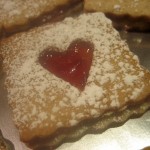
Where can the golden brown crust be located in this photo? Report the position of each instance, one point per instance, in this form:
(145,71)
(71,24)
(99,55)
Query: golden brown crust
(136,8)
(29,16)
(96,126)
(127,15)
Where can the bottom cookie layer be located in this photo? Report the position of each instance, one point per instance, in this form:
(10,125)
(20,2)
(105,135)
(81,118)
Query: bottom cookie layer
(95,126)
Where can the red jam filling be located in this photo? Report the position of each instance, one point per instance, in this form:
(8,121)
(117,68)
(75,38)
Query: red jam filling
(72,65)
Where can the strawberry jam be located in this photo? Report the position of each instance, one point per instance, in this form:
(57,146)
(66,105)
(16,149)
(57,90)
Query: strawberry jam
(72,65)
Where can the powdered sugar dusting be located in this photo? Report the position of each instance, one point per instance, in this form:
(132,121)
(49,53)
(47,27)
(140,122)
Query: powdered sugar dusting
(38,96)
(18,12)
(133,8)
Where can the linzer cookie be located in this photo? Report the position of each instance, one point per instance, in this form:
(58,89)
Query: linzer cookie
(70,78)
(128,14)
(18,15)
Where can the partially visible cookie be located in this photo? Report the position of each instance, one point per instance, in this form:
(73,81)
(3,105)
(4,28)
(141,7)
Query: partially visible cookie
(17,15)
(126,14)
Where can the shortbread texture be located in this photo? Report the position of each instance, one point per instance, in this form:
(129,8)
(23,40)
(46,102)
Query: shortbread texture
(42,103)
(16,13)
(135,8)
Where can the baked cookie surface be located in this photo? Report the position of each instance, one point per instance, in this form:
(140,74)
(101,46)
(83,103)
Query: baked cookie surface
(135,8)
(18,15)
(43,103)
(127,15)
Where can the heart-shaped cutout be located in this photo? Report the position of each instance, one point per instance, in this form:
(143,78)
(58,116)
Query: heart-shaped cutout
(72,65)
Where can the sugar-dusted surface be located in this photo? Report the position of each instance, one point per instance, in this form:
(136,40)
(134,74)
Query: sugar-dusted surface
(135,8)
(43,102)
(18,12)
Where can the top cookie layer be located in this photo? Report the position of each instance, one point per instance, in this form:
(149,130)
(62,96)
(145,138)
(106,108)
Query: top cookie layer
(42,102)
